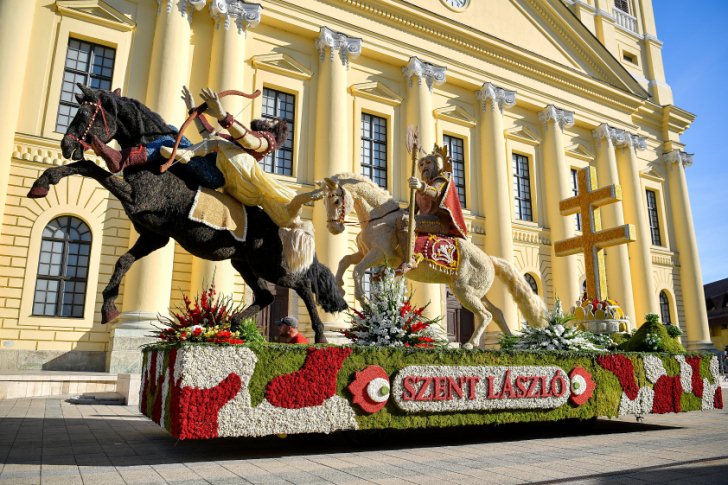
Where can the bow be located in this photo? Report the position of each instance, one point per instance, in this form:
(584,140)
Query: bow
(195,113)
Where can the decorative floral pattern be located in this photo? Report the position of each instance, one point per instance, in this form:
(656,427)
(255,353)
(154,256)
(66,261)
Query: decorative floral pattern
(654,368)
(686,373)
(640,405)
(621,367)
(367,389)
(312,384)
(696,382)
(668,391)
(582,386)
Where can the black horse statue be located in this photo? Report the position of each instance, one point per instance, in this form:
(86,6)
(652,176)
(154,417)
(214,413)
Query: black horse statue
(158,205)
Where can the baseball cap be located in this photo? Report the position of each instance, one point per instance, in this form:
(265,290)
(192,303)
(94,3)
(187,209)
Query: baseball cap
(290,321)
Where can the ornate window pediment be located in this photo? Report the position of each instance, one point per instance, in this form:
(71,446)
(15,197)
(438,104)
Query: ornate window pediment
(95,11)
(456,114)
(525,133)
(282,64)
(581,151)
(376,91)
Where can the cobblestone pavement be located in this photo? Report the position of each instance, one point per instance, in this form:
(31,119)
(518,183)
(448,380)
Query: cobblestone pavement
(48,440)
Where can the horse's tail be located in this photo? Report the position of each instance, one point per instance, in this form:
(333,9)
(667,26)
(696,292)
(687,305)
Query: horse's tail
(299,248)
(324,286)
(533,308)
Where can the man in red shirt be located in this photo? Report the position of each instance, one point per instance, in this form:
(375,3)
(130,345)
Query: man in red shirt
(288,331)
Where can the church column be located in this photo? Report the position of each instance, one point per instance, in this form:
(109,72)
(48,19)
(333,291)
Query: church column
(332,150)
(495,201)
(421,76)
(619,283)
(564,272)
(227,70)
(148,284)
(643,286)
(16,25)
(691,277)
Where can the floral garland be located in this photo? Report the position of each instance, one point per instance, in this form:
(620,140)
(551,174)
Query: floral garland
(312,384)
(621,366)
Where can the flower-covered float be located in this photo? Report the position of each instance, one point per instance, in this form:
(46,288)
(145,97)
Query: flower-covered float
(199,387)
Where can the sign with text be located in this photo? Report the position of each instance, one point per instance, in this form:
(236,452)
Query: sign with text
(473,388)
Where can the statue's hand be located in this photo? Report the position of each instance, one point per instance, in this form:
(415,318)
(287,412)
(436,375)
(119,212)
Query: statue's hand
(188,98)
(415,183)
(214,106)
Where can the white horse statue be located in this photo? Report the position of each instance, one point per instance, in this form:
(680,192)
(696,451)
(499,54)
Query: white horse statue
(379,243)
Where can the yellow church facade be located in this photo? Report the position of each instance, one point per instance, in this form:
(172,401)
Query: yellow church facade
(523,92)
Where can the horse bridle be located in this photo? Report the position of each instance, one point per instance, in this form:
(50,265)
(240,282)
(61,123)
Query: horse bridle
(341,219)
(82,139)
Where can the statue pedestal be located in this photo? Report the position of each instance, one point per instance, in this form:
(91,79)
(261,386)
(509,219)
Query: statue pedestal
(607,326)
(131,331)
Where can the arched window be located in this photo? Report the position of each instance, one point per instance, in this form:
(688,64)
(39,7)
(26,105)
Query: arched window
(531,282)
(665,308)
(60,287)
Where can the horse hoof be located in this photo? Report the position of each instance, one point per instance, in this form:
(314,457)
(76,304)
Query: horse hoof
(37,192)
(321,340)
(468,346)
(109,316)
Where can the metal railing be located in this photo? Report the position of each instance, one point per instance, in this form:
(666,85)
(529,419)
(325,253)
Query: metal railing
(625,20)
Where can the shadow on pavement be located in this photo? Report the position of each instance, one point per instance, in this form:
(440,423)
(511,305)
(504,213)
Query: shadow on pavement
(127,441)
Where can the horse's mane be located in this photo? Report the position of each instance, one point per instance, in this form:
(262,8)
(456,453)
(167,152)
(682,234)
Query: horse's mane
(354,178)
(141,124)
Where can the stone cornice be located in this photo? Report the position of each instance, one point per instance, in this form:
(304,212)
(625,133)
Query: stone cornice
(534,238)
(431,74)
(337,42)
(677,156)
(498,97)
(492,50)
(244,15)
(44,150)
(560,116)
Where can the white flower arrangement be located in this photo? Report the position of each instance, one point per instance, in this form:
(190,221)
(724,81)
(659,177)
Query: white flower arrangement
(709,389)
(654,368)
(388,318)
(686,373)
(555,337)
(642,404)
(653,341)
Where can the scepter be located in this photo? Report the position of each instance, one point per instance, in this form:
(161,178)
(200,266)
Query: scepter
(413,148)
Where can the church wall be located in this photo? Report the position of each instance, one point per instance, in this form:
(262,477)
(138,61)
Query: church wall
(280,54)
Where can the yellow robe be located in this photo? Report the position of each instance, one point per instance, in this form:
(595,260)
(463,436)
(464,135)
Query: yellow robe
(246,181)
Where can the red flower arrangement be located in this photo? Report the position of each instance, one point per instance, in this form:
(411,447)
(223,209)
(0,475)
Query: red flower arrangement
(370,389)
(697,381)
(582,386)
(668,391)
(622,367)
(312,384)
(207,319)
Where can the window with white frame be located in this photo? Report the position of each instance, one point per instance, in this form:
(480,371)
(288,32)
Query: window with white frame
(653,218)
(575,192)
(456,150)
(522,188)
(374,148)
(86,63)
(60,287)
(277,104)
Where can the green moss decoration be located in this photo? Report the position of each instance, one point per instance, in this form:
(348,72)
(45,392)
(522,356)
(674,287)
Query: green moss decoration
(652,336)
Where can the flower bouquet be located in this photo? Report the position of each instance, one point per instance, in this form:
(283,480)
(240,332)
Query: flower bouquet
(207,319)
(388,317)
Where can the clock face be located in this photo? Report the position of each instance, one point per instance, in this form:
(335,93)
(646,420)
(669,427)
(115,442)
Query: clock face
(456,4)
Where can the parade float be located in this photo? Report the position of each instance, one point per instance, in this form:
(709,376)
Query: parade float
(207,377)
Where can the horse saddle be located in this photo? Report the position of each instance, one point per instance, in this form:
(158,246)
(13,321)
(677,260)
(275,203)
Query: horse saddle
(219,211)
(441,252)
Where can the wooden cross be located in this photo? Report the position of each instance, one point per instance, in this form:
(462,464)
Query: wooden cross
(593,238)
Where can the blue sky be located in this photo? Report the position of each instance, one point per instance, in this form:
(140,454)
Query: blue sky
(695,54)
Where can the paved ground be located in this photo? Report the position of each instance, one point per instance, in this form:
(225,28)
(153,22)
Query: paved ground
(51,441)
